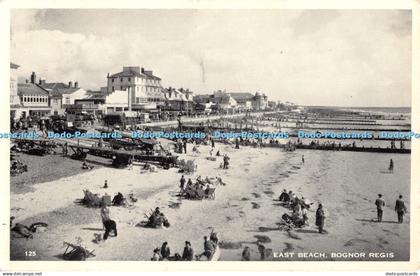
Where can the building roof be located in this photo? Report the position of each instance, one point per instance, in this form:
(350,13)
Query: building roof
(241,96)
(175,95)
(14,66)
(128,73)
(96,94)
(31,89)
(61,91)
(203,98)
(223,99)
(150,75)
(134,71)
(52,85)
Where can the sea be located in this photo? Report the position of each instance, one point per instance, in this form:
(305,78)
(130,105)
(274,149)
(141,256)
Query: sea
(375,110)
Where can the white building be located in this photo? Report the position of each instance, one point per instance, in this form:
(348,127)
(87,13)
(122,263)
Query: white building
(99,103)
(34,100)
(143,88)
(14,98)
(64,97)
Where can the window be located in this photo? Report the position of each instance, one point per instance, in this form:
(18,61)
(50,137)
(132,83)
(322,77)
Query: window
(129,79)
(121,87)
(137,100)
(113,89)
(121,80)
(112,80)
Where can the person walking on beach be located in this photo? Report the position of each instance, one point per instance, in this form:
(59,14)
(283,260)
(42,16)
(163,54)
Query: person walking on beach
(105,215)
(391,166)
(225,162)
(303,159)
(110,225)
(320,219)
(380,203)
(65,149)
(400,208)
(185,146)
(182,183)
(106,184)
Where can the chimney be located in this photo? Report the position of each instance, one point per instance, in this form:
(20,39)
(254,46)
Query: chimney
(142,70)
(33,78)
(70,84)
(76,84)
(26,81)
(40,82)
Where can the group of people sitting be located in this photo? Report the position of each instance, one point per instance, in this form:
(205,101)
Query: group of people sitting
(299,207)
(164,253)
(201,189)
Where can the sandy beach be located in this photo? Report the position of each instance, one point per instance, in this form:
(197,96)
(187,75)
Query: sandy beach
(244,211)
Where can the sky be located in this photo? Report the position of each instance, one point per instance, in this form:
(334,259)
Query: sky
(309,57)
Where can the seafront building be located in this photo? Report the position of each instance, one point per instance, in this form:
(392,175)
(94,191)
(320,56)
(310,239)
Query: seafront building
(99,103)
(178,100)
(14,97)
(143,88)
(234,101)
(27,99)
(134,91)
(61,98)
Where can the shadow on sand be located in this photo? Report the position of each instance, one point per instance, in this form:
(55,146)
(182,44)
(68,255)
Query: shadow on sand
(307,231)
(376,221)
(93,229)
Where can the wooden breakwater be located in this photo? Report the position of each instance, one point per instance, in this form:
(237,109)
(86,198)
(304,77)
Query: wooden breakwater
(337,148)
